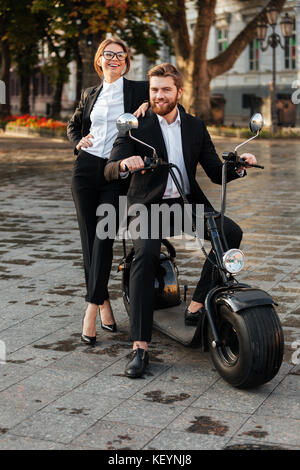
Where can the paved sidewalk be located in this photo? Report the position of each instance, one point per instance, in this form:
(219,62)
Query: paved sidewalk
(56,393)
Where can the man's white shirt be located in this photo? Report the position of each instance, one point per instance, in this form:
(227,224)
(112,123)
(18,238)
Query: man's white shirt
(173,142)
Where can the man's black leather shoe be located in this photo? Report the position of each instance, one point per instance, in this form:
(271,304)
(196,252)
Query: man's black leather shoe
(191,319)
(137,365)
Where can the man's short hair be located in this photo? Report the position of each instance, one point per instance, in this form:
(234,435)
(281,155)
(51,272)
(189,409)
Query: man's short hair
(166,70)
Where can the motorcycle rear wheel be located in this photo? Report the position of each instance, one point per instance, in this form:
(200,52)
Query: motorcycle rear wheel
(251,348)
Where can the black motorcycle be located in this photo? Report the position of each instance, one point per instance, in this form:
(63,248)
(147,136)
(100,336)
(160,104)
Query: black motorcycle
(241,328)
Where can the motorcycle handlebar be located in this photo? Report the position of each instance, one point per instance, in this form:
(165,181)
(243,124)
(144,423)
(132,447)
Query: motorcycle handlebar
(149,165)
(242,162)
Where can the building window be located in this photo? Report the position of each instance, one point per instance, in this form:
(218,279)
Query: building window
(290,50)
(222,39)
(254,55)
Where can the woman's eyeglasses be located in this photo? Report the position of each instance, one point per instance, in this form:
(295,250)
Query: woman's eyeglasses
(108,55)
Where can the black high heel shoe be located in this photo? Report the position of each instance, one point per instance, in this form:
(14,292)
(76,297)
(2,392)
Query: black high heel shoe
(111,328)
(91,340)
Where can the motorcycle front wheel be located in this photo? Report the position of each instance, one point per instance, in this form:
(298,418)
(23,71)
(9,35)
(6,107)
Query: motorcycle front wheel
(251,348)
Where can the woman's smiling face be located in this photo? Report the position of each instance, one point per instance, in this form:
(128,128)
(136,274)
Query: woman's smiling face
(112,68)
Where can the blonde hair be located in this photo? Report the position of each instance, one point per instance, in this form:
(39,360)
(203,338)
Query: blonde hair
(102,46)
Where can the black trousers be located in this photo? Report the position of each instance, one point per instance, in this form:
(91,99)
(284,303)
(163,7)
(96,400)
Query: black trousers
(145,265)
(89,190)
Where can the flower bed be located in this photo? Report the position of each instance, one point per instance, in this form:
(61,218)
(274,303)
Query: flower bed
(34,125)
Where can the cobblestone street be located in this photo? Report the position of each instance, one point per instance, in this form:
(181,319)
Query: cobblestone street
(57,393)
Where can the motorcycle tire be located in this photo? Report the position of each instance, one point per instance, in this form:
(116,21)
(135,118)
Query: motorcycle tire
(252,344)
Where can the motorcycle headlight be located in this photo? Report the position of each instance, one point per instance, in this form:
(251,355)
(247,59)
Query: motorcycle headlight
(233,260)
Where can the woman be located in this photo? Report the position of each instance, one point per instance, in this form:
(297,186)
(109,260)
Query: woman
(92,130)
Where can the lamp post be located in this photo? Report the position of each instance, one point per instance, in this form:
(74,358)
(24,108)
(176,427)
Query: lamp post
(274,40)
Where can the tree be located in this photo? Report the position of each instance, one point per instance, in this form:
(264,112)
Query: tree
(5,62)
(191,57)
(20,34)
(70,25)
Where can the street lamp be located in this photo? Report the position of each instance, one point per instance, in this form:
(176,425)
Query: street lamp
(274,40)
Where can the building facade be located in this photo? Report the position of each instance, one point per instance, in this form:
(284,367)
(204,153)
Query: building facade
(246,87)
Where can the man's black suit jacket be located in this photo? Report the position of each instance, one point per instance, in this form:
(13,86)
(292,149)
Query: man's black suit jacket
(197,148)
(135,93)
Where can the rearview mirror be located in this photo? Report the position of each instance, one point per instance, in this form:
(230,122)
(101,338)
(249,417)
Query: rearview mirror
(126,122)
(256,122)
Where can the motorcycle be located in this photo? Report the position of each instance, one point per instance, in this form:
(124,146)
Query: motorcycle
(241,328)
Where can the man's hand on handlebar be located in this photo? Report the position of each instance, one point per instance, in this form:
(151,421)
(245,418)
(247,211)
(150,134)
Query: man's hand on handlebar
(132,163)
(248,158)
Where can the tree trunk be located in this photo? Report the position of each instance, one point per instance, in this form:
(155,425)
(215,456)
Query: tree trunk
(56,103)
(191,59)
(79,77)
(25,92)
(62,78)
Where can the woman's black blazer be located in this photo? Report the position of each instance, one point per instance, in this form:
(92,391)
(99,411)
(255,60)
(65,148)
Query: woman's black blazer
(135,93)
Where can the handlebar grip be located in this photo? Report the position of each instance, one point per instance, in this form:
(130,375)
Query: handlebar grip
(242,161)
(258,166)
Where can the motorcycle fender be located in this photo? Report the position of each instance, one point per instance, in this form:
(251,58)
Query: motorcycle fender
(241,298)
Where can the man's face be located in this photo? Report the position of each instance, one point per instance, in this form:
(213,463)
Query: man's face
(164,95)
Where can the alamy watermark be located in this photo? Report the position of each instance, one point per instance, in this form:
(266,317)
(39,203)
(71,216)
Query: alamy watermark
(296,355)
(2,352)
(153,222)
(296,94)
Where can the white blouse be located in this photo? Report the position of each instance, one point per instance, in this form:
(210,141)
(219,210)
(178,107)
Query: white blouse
(107,108)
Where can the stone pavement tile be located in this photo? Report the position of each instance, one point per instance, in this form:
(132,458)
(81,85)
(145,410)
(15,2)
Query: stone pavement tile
(56,380)
(178,440)
(35,357)
(213,422)
(23,397)
(13,373)
(6,323)
(53,427)
(193,368)
(278,430)
(21,401)
(174,390)
(140,413)
(112,381)
(256,444)
(91,361)
(19,311)
(222,396)
(284,401)
(11,442)
(78,403)
(66,339)
(10,416)
(109,435)
(281,404)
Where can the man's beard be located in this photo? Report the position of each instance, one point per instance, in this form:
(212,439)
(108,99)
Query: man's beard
(163,110)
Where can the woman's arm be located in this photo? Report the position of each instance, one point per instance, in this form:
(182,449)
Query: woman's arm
(74,128)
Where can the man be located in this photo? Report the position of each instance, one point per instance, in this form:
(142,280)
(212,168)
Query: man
(182,139)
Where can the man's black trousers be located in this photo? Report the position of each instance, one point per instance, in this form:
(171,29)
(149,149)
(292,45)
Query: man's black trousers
(142,275)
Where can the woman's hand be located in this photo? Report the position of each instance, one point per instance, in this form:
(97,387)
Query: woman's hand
(85,142)
(141,111)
